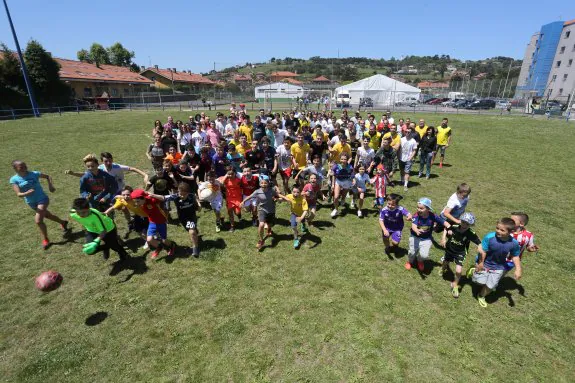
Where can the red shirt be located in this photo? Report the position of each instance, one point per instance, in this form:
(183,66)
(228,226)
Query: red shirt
(249,185)
(154,211)
(233,188)
(310,192)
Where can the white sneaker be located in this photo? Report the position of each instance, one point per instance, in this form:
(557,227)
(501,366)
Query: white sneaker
(333,213)
(359,213)
(405,188)
(352,205)
(146,246)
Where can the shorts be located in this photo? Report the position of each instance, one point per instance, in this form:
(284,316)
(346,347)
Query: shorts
(189,223)
(312,205)
(43,201)
(217,203)
(441,149)
(380,201)
(269,218)
(458,259)
(158,229)
(252,202)
(140,224)
(419,247)
(235,204)
(395,235)
(405,166)
(489,278)
(344,184)
(293,220)
(286,173)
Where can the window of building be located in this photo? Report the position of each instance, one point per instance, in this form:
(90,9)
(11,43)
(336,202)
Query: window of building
(560,90)
(565,77)
(87,92)
(554,78)
(114,92)
(558,63)
(570,62)
(567,34)
(562,50)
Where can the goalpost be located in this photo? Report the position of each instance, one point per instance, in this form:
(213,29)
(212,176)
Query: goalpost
(306,99)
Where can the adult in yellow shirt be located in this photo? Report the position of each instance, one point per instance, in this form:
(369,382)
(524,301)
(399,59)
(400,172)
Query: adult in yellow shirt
(421,128)
(443,141)
(300,153)
(299,209)
(374,137)
(247,128)
(341,147)
(318,132)
(243,147)
(393,136)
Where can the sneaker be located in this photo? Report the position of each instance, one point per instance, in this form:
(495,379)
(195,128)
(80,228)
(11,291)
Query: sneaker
(482,302)
(333,213)
(254,222)
(195,252)
(260,244)
(231,229)
(146,246)
(155,254)
(218,228)
(470,272)
(387,251)
(405,188)
(45,244)
(352,205)
(296,243)
(426,177)
(419,175)
(359,214)
(455,292)
(408,265)
(172,250)
(303,228)
(420,265)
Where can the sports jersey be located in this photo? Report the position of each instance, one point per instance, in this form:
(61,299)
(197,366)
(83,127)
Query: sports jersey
(297,204)
(443,135)
(233,188)
(310,192)
(117,171)
(374,141)
(220,164)
(186,207)
(265,201)
(425,224)
(162,184)
(243,149)
(458,241)
(342,173)
(254,158)
(361,180)
(248,130)
(284,157)
(456,205)
(249,185)
(101,185)
(30,181)
(269,157)
(393,219)
(380,185)
(525,239)
(324,136)
(365,156)
(421,130)
(121,203)
(152,209)
(95,222)
(299,154)
(338,149)
(498,250)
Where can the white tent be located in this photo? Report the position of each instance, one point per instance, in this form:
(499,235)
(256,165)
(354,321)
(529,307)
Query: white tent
(383,90)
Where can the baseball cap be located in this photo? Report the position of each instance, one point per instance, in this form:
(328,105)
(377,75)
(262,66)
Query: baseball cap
(468,217)
(425,202)
(138,193)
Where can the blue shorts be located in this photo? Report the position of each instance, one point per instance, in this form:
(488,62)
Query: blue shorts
(380,201)
(43,201)
(159,229)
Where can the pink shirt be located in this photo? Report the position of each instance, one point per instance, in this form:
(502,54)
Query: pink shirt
(213,136)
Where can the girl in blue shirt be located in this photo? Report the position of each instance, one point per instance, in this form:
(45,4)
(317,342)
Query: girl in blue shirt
(26,184)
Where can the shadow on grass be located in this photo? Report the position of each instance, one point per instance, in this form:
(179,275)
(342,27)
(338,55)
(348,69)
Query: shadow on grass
(506,285)
(133,244)
(312,238)
(396,253)
(96,318)
(276,239)
(136,264)
(428,268)
(69,237)
(322,225)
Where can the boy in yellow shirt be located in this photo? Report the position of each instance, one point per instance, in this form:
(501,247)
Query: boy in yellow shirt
(247,128)
(300,153)
(299,209)
(139,221)
(443,141)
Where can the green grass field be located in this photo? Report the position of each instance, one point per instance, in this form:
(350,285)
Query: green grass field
(338,309)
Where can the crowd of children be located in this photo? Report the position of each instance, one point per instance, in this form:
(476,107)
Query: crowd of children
(318,157)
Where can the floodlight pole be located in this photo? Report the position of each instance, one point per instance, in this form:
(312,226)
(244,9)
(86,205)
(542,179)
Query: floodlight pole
(35,109)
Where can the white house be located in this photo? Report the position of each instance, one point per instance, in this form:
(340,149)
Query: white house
(278,90)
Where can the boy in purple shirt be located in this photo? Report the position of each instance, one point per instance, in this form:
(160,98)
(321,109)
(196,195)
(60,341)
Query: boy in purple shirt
(391,222)
(421,230)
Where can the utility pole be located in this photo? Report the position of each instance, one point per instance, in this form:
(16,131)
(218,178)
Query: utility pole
(35,109)
(507,78)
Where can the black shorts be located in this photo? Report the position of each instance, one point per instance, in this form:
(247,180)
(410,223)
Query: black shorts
(269,218)
(189,223)
(140,224)
(458,259)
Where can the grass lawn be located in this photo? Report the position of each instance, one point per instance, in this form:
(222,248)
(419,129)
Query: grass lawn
(338,309)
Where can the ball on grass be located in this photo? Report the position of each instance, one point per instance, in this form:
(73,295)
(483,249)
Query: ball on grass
(49,280)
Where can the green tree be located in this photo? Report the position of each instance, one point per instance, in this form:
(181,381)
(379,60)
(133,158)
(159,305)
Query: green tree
(84,56)
(442,69)
(99,55)
(10,71)
(349,73)
(120,56)
(44,75)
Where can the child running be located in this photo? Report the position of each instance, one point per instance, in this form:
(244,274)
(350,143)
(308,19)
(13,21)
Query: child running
(299,209)
(215,199)
(249,183)
(456,242)
(311,191)
(421,230)
(187,206)
(26,184)
(359,187)
(494,251)
(391,222)
(265,197)
(380,182)
(343,173)
(139,221)
(233,186)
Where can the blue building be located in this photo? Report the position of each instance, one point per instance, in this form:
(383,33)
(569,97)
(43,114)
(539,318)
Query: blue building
(541,61)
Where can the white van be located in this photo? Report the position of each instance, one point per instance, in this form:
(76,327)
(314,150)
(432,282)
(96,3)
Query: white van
(342,99)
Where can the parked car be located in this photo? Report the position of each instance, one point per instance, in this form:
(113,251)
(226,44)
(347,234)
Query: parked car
(366,102)
(462,103)
(430,100)
(481,104)
(437,101)
(502,104)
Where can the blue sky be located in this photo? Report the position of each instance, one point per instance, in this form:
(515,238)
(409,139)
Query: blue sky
(195,34)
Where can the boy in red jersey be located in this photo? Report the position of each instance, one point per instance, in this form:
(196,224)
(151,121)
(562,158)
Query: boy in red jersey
(233,186)
(158,226)
(249,183)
